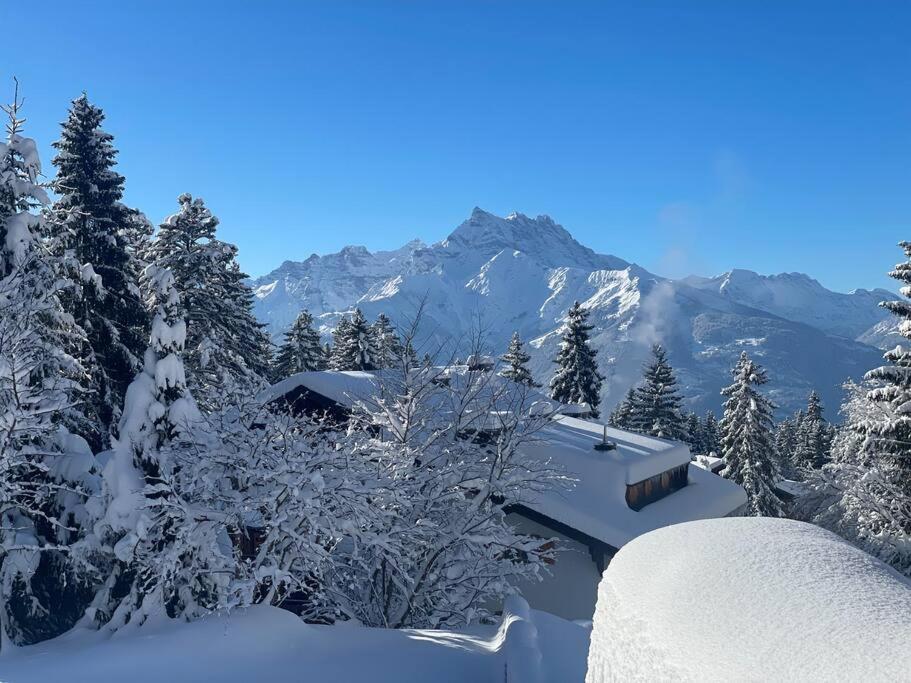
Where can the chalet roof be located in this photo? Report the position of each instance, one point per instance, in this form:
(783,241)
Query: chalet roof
(342,387)
(596,505)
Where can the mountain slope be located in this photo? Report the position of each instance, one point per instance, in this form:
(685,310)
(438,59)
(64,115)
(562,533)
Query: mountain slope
(498,275)
(798,297)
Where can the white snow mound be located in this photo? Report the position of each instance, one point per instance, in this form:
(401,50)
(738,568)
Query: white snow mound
(749,599)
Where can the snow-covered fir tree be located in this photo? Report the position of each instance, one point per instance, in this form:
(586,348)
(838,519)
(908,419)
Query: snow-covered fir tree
(786,444)
(46,473)
(812,437)
(747,443)
(577,379)
(710,437)
(865,494)
(353,344)
(890,435)
(90,222)
(861,493)
(386,343)
(657,407)
(161,553)
(693,429)
(225,344)
(622,415)
(301,350)
(515,363)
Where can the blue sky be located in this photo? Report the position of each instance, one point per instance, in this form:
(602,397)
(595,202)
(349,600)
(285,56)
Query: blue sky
(685,136)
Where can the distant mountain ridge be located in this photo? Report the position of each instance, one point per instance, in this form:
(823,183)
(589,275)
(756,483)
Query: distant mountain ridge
(517,273)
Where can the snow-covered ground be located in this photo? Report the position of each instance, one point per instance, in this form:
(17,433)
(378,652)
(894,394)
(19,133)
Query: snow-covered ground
(749,599)
(268,644)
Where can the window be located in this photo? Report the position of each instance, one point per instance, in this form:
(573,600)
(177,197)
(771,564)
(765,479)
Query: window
(642,493)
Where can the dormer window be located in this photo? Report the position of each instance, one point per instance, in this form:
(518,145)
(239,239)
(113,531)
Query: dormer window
(655,488)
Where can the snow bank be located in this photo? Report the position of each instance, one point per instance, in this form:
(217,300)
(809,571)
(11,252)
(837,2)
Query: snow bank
(268,644)
(749,599)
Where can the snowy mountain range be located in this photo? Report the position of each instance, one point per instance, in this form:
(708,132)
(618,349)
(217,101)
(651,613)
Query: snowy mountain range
(520,273)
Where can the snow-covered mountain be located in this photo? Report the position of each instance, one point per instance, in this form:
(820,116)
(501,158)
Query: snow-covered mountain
(798,297)
(519,273)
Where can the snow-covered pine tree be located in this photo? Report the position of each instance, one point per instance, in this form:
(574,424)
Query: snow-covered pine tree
(861,494)
(622,416)
(515,362)
(162,553)
(890,436)
(870,480)
(339,351)
(90,222)
(747,439)
(137,233)
(577,379)
(812,438)
(386,343)
(352,344)
(46,474)
(693,430)
(711,438)
(786,442)
(226,346)
(301,350)
(657,406)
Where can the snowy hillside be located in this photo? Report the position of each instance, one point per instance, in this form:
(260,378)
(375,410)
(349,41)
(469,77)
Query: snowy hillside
(521,273)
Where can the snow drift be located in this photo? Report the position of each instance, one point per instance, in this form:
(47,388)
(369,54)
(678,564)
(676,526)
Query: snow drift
(269,644)
(749,599)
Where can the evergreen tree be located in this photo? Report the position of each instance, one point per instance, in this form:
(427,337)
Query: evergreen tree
(301,351)
(786,442)
(46,473)
(162,555)
(622,415)
(91,222)
(889,436)
(577,379)
(747,440)
(387,345)
(226,346)
(861,494)
(693,430)
(516,363)
(352,344)
(339,354)
(812,438)
(711,439)
(657,405)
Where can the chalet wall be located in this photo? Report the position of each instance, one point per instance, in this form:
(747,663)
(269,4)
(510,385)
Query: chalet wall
(572,587)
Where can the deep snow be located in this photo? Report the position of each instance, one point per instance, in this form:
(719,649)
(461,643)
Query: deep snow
(749,599)
(269,644)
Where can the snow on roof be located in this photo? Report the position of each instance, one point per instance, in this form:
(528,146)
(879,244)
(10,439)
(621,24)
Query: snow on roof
(789,600)
(708,462)
(597,505)
(343,387)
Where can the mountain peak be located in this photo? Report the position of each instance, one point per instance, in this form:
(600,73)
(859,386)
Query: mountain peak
(540,238)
